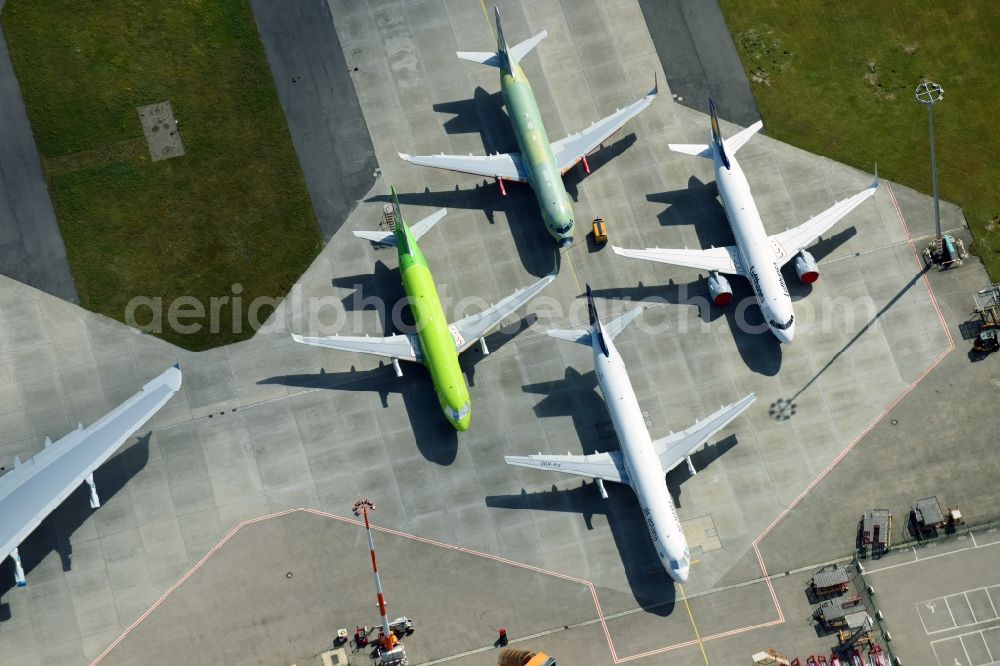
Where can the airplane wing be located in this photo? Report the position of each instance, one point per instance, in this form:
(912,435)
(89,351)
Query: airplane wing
(789,242)
(676,447)
(470,329)
(33,489)
(573,148)
(402,347)
(721,259)
(606,466)
(502,165)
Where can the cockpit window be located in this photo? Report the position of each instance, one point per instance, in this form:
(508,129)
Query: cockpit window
(682,563)
(459,414)
(562,230)
(782,327)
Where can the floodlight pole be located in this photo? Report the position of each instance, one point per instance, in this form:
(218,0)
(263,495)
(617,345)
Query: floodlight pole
(928,93)
(362,507)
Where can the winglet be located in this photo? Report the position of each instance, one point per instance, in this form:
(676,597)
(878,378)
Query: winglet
(656,86)
(874,184)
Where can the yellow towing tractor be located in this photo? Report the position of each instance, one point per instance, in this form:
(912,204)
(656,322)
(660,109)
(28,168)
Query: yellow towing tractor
(512,657)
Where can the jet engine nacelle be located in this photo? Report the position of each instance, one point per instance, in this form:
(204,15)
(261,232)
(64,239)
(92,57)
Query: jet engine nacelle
(719,289)
(805,266)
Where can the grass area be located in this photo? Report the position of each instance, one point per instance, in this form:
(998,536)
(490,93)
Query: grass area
(837,78)
(233,210)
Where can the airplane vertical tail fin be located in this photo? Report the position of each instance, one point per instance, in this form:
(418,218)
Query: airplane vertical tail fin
(398,225)
(717,133)
(501,42)
(595,323)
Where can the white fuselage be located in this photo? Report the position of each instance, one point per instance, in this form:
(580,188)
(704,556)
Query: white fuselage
(759,262)
(642,465)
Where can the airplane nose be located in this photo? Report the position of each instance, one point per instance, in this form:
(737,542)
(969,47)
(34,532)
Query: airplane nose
(784,336)
(566,241)
(680,575)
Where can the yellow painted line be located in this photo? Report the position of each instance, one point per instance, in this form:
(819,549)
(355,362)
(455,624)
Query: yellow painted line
(489,21)
(569,262)
(694,626)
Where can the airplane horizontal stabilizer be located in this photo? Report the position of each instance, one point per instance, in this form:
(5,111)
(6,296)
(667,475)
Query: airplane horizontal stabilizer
(617,325)
(576,335)
(738,140)
(482,57)
(418,229)
(696,149)
(515,52)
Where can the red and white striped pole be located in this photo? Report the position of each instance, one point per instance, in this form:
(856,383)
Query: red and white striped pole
(362,507)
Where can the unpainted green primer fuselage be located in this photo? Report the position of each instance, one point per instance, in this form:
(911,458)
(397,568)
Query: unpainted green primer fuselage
(437,345)
(536,153)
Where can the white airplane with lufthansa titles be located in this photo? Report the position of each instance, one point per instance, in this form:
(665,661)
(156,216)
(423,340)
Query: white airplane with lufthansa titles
(756,256)
(642,462)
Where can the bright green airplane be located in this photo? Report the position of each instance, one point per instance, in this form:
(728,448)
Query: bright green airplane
(540,163)
(436,343)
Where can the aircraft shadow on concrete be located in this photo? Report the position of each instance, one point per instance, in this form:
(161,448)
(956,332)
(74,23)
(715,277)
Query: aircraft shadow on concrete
(55,531)
(436,439)
(381,290)
(604,154)
(698,206)
(758,348)
(784,409)
(533,243)
(651,587)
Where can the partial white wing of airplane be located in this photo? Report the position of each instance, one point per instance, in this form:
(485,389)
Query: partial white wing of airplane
(402,347)
(676,447)
(468,330)
(607,466)
(788,243)
(722,259)
(33,489)
(572,149)
(502,165)
(418,229)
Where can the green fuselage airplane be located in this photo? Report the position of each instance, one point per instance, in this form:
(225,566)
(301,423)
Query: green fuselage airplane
(539,162)
(435,342)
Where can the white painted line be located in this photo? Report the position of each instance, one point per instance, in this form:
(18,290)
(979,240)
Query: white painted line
(929,605)
(869,572)
(968,659)
(938,657)
(948,606)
